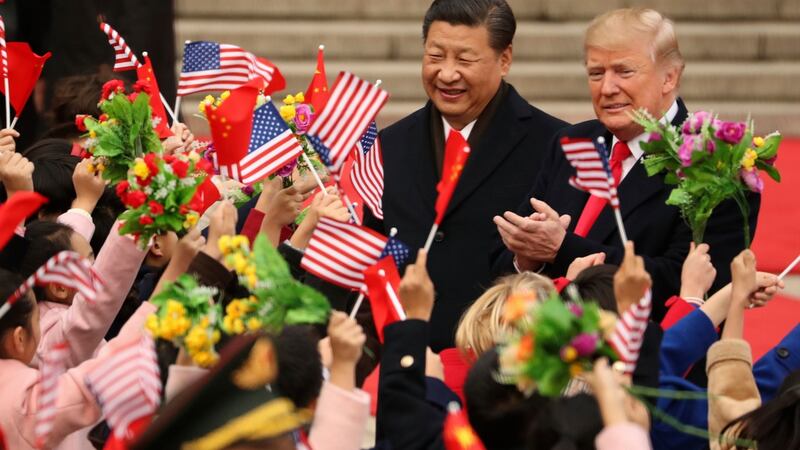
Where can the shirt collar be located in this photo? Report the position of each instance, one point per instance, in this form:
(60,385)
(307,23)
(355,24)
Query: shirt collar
(464,131)
(633,144)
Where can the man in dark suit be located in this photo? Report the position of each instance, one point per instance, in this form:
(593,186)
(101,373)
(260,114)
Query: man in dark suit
(468,51)
(633,61)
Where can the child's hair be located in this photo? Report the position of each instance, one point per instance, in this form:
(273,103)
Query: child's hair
(52,173)
(500,414)
(108,208)
(566,423)
(481,324)
(71,96)
(775,425)
(20,314)
(300,365)
(596,283)
(45,240)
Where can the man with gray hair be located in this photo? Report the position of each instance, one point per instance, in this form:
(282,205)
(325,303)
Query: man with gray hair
(632,61)
(467,52)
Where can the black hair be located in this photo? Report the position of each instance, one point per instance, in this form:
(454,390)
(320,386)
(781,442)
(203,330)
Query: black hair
(74,95)
(499,413)
(775,425)
(53,167)
(45,240)
(496,15)
(567,423)
(299,365)
(105,214)
(596,284)
(20,314)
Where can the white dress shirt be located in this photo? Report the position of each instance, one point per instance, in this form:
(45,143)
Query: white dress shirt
(464,131)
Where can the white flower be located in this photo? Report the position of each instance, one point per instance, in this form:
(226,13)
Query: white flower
(188,181)
(160,178)
(148,190)
(161,193)
(156,122)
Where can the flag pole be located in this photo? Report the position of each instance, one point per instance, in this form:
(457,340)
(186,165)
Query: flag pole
(321,185)
(612,190)
(360,299)
(393,297)
(8,103)
(620,225)
(14,122)
(177,108)
(164,100)
(429,241)
(789,268)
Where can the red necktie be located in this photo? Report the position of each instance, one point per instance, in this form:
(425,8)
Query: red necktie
(595,204)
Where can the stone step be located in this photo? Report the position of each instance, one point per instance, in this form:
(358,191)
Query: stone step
(523,9)
(768,116)
(537,41)
(556,81)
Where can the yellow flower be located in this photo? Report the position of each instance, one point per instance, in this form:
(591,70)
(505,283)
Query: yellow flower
(288,112)
(758,141)
(100,167)
(194,156)
(224,244)
(288,100)
(568,354)
(152,324)
(201,107)
(209,100)
(90,168)
(197,339)
(224,95)
(238,326)
(92,134)
(191,220)
(250,271)
(299,97)
(253,324)
(251,281)
(236,308)
(215,335)
(140,169)
(205,359)
(575,369)
(749,159)
(175,308)
(240,241)
(239,263)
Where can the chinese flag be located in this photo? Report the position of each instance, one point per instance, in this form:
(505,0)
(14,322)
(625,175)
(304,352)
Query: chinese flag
(15,210)
(232,122)
(458,433)
(455,157)
(207,193)
(317,94)
(383,281)
(24,69)
(135,429)
(161,124)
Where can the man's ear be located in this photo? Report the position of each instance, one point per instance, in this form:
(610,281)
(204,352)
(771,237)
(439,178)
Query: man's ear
(506,57)
(672,78)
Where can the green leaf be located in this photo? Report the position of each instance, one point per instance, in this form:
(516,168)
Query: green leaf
(771,170)
(678,197)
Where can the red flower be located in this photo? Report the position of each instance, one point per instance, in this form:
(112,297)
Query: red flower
(205,166)
(136,199)
(132,96)
(103,117)
(180,168)
(183,210)
(122,190)
(111,87)
(145,220)
(156,208)
(169,158)
(80,122)
(150,160)
(141,86)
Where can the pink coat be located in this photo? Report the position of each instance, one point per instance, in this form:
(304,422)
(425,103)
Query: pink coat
(340,420)
(84,324)
(76,407)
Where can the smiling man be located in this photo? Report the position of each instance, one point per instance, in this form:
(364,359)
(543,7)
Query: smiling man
(467,53)
(632,61)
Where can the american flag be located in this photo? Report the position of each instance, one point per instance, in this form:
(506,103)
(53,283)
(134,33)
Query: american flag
(272,146)
(353,104)
(127,385)
(339,252)
(592,172)
(67,269)
(397,250)
(52,367)
(3,52)
(367,171)
(124,59)
(629,332)
(209,66)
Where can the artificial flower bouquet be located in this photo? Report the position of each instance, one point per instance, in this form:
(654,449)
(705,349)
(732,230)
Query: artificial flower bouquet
(709,161)
(187,317)
(549,342)
(275,299)
(299,115)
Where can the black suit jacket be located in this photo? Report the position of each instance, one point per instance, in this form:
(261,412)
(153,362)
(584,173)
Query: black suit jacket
(497,175)
(660,233)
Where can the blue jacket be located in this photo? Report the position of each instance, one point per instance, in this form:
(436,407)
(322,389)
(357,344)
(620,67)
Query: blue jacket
(682,346)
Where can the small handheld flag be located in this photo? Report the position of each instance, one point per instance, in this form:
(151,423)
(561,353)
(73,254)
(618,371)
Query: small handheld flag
(367,171)
(231,124)
(317,93)
(382,282)
(4,69)
(629,332)
(457,432)
(456,153)
(52,367)
(23,73)
(124,58)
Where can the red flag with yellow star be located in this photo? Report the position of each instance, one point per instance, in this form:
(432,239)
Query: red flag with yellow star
(231,123)
(24,69)
(456,153)
(317,94)
(458,433)
(146,75)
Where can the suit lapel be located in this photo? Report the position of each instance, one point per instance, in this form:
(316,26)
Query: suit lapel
(497,142)
(421,158)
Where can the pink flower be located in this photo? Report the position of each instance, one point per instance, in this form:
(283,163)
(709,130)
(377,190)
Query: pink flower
(585,344)
(695,122)
(302,118)
(711,146)
(287,170)
(575,309)
(655,137)
(752,180)
(730,132)
(686,149)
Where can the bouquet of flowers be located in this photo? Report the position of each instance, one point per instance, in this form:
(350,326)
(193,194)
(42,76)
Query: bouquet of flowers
(123,132)
(709,161)
(187,317)
(160,194)
(298,115)
(276,299)
(549,342)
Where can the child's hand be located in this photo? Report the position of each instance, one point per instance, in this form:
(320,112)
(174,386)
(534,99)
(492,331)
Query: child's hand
(285,206)
(330,206)
(222,223)
(89,186)
(698,273)
(16,172)
(347,340)
(7,140)
(631,280)
(607,388)
(181,139)
(743,278)
(584,262)
(185,251)
(416,289)
(768,285)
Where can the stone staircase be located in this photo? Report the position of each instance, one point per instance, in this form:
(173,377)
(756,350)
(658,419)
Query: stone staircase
(743,56)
